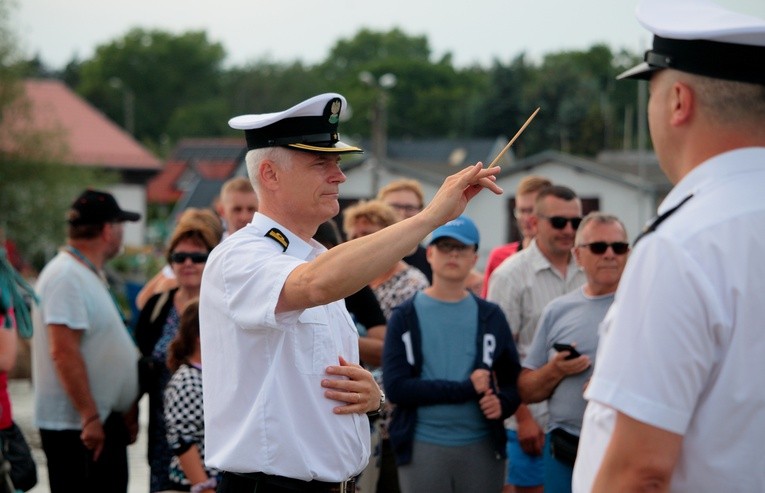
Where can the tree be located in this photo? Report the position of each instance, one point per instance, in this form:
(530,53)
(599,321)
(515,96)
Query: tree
(581,105)
(35,188)
(429,99)
(152,74)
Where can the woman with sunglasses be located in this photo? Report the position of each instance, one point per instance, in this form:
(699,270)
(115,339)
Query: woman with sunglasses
(191,242)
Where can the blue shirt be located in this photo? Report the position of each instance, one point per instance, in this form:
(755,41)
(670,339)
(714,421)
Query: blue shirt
(448,352)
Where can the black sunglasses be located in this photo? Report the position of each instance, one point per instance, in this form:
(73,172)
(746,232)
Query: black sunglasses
(180,257)
(559,222)
(600,247)
(449,247)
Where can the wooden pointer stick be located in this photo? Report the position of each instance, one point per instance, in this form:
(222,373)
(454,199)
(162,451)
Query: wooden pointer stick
(513,139)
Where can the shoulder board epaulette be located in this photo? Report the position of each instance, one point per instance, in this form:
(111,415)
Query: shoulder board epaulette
(278,237)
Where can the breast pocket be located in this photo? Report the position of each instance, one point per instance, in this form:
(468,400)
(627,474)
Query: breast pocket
(313,342)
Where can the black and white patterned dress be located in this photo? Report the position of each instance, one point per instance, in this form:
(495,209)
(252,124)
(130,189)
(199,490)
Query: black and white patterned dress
(184,418)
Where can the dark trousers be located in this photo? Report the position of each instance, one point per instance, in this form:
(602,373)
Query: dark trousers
(71,466)
(234,483)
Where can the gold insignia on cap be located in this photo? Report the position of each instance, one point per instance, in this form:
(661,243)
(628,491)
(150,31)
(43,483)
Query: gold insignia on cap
(335,109)
(278,237)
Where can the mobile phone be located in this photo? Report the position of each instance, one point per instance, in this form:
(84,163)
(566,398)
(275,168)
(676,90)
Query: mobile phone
(572,352)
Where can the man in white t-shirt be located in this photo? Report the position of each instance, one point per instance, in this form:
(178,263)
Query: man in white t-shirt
(84,362)
(285,400)
(675,401)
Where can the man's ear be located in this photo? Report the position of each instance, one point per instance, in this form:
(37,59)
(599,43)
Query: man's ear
(533,221)
(683,102)
(268,174)
(429,253)
(107,231)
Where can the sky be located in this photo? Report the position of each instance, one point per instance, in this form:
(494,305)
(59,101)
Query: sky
(473,31)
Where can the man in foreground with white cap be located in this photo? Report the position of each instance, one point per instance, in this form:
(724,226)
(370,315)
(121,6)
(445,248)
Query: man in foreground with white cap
(285,400)
(675,402)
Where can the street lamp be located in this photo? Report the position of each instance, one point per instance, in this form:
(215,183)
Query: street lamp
(379,120)
(128,103)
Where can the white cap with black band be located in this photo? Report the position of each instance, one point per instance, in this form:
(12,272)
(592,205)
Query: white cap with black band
(703,38)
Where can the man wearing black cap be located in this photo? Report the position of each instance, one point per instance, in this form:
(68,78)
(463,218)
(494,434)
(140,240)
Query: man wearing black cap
(285,399)
(675,401)
(84,361)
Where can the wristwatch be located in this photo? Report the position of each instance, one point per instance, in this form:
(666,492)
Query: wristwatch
(380,407)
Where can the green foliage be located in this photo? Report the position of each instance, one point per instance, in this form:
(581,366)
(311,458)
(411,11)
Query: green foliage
(162,71)
(265,86)
(181,90)
(581,106)
(34,198)
(35,188)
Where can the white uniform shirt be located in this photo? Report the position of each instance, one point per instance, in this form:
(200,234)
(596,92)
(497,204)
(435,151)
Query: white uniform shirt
(73,295)
(264,406)
(522,286)
(683,346)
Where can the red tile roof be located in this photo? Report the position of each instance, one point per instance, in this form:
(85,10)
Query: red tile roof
(91,138)
(162,189)
(212,159)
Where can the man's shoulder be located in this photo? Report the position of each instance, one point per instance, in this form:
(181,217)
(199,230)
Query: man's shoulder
(514,264)
(62,268)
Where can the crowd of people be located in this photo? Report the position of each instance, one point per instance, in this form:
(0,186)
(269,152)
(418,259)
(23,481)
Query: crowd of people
(385,361)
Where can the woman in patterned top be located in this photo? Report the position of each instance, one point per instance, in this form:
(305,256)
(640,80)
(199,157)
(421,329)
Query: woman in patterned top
(192,240)
(184,418)
(400,282)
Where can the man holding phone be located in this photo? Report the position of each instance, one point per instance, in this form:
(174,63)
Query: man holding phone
(522,286)
(559,361)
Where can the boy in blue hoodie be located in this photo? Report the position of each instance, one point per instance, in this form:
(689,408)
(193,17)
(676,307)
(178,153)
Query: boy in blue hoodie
(451,369)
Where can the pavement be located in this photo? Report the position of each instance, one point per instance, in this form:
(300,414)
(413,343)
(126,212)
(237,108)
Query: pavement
(22,400)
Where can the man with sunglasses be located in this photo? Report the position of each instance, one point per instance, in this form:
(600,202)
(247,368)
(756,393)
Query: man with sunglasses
(522,286)
(676,400)
(559,376)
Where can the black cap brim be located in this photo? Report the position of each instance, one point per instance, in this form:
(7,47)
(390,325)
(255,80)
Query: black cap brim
(643,71)
(127,216)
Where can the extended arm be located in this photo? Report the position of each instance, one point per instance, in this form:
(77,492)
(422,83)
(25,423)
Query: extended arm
(639,458)
(346,268)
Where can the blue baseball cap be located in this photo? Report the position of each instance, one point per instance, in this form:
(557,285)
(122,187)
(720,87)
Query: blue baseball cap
(462,229)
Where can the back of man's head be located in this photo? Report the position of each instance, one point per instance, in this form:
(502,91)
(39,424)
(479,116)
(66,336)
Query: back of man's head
(236,184)
(532,184)
(404,184)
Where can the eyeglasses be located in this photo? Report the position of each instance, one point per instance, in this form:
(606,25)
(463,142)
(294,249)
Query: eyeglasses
(196,257)
(600,247)
(406,207)
(449,247)
(559,222)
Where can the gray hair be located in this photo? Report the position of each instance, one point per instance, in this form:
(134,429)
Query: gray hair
(600,218)
(253,158)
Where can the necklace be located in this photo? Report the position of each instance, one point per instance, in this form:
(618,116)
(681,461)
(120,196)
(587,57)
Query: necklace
(90,265)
